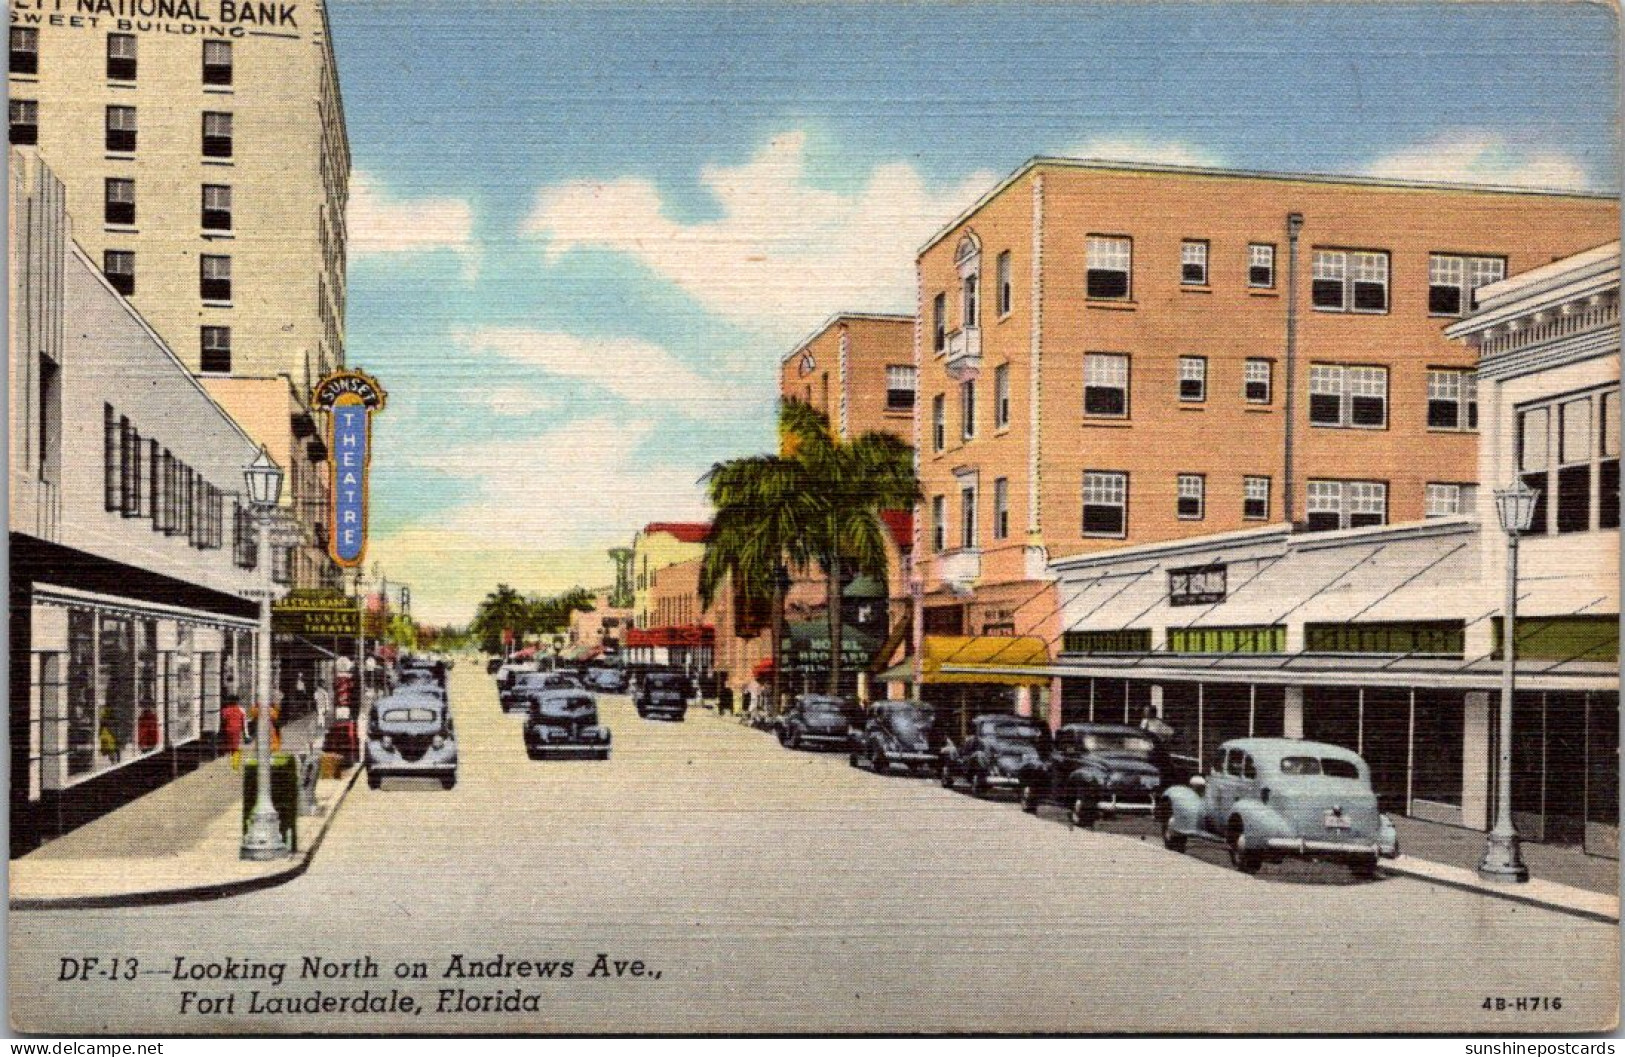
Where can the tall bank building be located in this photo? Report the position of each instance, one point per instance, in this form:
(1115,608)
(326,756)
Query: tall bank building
(203,149)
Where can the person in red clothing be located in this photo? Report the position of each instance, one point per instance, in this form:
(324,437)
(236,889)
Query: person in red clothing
(232,721)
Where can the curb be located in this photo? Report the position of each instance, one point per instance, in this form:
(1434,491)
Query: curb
(199,893)
(1510,894)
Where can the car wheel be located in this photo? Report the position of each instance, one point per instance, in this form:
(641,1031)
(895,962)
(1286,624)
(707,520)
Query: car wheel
(1242,857)
(1171,839)
(1083,812)
(945,774)
(374,780)
(784,737)
(603,754)
(978,785)
(1029,798)
(1364,868)
(448,782)
(878,761)
(852,758)
(795,738)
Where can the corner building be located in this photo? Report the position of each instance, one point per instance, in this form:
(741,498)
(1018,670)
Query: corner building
(1114,355)
(204,150)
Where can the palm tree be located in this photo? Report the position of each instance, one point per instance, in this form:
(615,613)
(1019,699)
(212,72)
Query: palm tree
(766,511)
(854,480)
(502,609)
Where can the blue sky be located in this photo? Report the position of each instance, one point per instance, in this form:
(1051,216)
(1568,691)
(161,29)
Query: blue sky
(583,235)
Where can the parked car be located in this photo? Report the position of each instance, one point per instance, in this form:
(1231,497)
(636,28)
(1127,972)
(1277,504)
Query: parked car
(607,680)
(511,670)
(526,685)
(565,723)
(423,679)
(1002,752)
(662,694)
(1270,798)
(898,732)
(493,666)
(410,734)
(1096,769)
(819,719)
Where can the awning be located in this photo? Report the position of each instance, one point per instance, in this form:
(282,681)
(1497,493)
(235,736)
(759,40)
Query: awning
(997,659)
(763,668)
(901,672)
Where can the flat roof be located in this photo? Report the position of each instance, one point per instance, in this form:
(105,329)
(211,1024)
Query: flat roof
(1109,165)
(876,317)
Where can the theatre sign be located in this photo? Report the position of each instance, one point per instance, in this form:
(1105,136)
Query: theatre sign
(350,398)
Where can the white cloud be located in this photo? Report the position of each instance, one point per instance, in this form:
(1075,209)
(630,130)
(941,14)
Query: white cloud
(637,371)
(784,254)
(1486,158)
(379,224)
(1135,148)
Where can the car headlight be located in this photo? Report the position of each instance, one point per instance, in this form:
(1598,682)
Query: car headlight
(439,741)
(387,742)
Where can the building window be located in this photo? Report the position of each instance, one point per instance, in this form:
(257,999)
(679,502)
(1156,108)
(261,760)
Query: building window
(1436,638)
(1001,396)
(1346,504)
(1245,638)
(1127,640)
(1261,265)
(1452,399)
(967,409)
(970,300)
(120,57)
(216,207)
(119,205)
(119,267)
(121,129)
(1255,381)
(24,122)
(939,322)
(1608,467)
(1001,508)
(1105,503)
(899,388)
(939,422)
(216,343)
(1452,281)
(1447,500)
(1110,263)
(1191,503)
(1200,586)
(216,135)
(967,516)
(1105,384)
(1193,379)
(216,62)
(130,458)
(1575,454)
(1193,262)
(50,419)
(112,482)
(1350,281)
(24,50)
(939,523)
(1352,397)
(1255,498)
(1007,299)
(214,278)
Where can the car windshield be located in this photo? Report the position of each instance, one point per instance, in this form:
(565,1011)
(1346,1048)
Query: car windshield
(573,708)
(665,682)
(913,719)
(1015,730)
(1119,741)
(410,715)
(828,707)
(1330,767)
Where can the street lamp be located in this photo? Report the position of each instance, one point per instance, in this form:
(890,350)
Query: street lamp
(262,840)
(1515,508)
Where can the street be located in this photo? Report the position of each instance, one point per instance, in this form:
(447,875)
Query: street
(777,891)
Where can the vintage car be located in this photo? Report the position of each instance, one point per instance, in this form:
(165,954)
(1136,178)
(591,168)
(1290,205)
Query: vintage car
(410,734)
(606,680)
(662,694)
(1270,798)
(1002,751)
(565,723)
(1096,769)
(902,732)
(819,719)
(526,685)
(421,679)
(511,670)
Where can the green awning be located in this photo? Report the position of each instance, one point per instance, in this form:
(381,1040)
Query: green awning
(901,672)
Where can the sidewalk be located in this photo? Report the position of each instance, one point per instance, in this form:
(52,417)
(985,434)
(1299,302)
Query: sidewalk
(177,843)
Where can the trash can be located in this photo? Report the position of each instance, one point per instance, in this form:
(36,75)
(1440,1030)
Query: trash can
(284,793)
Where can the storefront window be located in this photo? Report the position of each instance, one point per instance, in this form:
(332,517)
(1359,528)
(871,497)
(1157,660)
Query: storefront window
(116,683)
(209,681)
(183,693)
(83,727)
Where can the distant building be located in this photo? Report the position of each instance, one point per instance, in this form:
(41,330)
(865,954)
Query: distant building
(599,631)
(858,369)
(657,545)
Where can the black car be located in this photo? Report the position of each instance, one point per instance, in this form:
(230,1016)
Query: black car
(526,685)
(492,665)
(662,694)
(819,719)
(1096,769)
(1003,751)
(899,732)
(565,723)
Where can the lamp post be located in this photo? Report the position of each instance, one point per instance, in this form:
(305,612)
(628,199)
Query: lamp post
(1515,508)
(262,840)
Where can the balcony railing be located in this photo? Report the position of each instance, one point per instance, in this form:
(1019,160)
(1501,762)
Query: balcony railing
(964,353)
(1592,317)
(961,568)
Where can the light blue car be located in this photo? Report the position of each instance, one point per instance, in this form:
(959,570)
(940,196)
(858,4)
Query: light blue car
(410,734)
(1271,798)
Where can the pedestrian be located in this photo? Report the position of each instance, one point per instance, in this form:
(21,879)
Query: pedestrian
(324,705)
(1153,724)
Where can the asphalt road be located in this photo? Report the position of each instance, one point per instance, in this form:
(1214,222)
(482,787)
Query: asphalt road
(777,891)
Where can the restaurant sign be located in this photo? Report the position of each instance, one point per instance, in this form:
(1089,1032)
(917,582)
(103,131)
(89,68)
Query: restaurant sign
(350,398)
(315,613)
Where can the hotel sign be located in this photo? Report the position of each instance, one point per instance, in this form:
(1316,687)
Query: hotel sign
(350,398)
